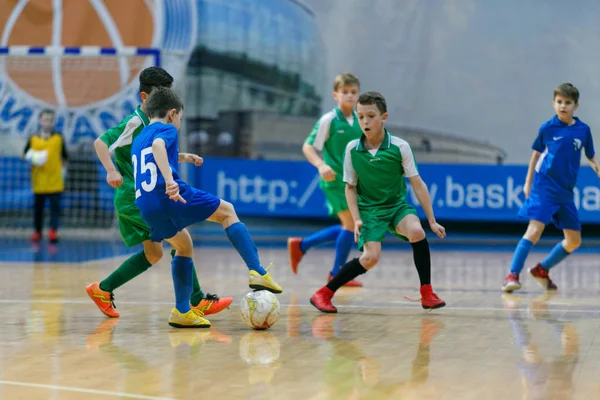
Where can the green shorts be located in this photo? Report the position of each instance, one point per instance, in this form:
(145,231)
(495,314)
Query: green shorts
(336,199)
(376,222)
(131,225)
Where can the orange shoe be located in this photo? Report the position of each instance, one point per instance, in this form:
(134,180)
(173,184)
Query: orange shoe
(295,253)
(352,283)
(36,237)
(53,236)
(104,300)
(213,304)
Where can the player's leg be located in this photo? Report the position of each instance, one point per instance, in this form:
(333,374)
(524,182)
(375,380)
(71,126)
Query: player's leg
(133,232)
(182,267)
(39,201)
(54,216)
(240,238)
(343,246)
(336,203)
(565,218)
(352,269)
(539,214)
(371,236)
(205,303)
(409,227)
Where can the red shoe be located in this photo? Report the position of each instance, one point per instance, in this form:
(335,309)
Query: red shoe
(541,275)
(322,300)
(511,283)
(352,283)
(53,236)
(430,300)
(212,304)
(104,300)
(36,237)
(295,253)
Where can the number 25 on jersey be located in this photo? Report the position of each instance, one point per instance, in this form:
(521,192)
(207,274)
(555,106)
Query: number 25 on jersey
(144,168)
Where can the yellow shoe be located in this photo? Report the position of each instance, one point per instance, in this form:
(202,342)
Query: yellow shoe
(191,319)
(264,282)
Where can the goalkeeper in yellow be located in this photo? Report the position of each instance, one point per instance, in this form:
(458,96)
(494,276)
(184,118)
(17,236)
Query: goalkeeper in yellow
(134,230)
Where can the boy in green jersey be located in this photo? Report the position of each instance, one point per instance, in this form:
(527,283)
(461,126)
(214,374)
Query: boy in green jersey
(375,166)
(330,135)
(134,230)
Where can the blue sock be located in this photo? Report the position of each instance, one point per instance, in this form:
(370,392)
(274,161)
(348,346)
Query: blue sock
(521,253)
(343,245)
(182,271)
(240,239)
(323,236)
(557,254)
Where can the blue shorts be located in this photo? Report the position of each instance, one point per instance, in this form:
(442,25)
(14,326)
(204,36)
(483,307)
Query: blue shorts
(166,217)
(562,215)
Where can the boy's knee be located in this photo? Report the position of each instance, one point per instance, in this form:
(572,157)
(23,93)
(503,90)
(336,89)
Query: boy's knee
(370,259)
(415,233)
(153,254)
(572,244)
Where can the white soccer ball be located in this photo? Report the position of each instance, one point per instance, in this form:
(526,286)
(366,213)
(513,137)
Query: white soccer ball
(260,309)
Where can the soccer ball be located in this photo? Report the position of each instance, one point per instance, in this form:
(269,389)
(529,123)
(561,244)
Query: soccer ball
(260,309)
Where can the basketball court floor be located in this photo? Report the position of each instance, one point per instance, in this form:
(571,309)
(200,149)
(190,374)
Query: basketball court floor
(55,344)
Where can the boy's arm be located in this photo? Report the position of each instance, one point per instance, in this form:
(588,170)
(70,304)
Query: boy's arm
(594,164)
(422,194)
(191,158)
(315,142)
(159,151)
(113,177)
(530,171)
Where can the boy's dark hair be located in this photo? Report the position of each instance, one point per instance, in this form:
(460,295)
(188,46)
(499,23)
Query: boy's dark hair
(153,77)
(369,98)
(47,111)
(345,79)
(161,101)
(567,90)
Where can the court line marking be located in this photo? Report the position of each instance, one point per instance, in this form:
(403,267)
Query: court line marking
(82,390)
(390,305)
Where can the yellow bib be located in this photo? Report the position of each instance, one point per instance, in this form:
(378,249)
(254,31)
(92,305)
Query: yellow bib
(48,177)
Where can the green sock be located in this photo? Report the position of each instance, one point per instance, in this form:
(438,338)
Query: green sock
(197,294)
(132,267)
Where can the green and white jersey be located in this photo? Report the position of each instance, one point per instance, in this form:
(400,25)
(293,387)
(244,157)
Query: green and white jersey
(379,174)
(331,134)
(119,139)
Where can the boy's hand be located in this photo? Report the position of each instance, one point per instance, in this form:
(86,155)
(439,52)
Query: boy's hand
(114,178)
(326,173)
(194,159)
(358,224)
(438,230)
(173,191)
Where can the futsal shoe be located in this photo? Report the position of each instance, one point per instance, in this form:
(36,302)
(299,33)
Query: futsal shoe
(541,275)
(322,300)
(36,237)
(430,300)
(295,252)
(511,283)
(53,236)
(264,282)
(352,283)
(212,304)
(190,319)
(104,300)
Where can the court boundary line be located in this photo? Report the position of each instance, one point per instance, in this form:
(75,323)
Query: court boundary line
(83,390)
(390,305)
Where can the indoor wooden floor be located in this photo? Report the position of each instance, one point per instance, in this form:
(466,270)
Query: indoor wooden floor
(55,344)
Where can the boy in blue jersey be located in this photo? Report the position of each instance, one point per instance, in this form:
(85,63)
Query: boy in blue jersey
(168,205)
(549,187)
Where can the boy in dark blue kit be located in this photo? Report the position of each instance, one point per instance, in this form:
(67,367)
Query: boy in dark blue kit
(168,205)
(549,187)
